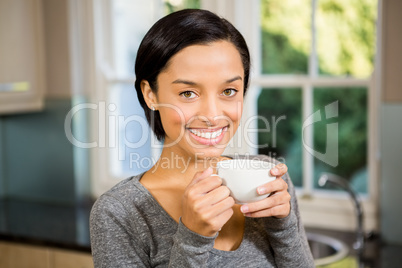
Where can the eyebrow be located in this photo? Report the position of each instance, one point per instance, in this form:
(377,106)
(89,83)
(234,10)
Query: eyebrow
(191,83)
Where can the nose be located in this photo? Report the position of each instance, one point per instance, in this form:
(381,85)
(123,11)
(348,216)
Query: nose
(210,111)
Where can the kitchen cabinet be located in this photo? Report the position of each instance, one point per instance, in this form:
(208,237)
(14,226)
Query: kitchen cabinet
(14,255)
(22,59)
(391,55)
(71,259)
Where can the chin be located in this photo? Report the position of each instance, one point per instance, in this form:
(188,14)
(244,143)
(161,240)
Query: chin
(209,153)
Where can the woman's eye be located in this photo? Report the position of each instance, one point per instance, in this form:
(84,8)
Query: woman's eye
(188,94)
(229,92)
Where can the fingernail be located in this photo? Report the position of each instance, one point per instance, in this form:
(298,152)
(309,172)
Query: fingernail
(261,190)
(274,171)
(281,166)
(244,209)
(208,170)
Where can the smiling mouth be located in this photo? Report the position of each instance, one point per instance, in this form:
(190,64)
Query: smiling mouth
(207,134)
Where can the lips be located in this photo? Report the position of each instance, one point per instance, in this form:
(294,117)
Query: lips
(208,136)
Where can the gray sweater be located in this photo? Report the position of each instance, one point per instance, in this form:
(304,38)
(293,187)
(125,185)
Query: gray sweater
(130,229)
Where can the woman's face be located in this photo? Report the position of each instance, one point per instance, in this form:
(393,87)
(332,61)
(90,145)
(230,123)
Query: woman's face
(200,99)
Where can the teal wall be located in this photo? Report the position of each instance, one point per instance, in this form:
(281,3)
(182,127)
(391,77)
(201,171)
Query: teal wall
(36,160)
(2,153)
(391,173)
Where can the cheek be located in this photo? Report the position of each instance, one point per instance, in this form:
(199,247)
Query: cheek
(234,111)
(171,116)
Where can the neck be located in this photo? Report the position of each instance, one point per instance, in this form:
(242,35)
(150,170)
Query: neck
(176,166)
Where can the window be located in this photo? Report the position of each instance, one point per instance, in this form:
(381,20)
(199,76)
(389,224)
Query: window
(314,84)
(310,94)
(301,39)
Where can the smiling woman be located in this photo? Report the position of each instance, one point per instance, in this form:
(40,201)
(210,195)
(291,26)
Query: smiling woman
(192,72)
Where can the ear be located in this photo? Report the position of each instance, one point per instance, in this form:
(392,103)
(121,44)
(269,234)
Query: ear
(149,95)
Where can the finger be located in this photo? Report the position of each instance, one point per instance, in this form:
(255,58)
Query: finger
(201,175)
(280,211)
(219,220)
(216,195)
(217,209)
(224,216)
(200,187)
(279,199)
(273,186)
(279,170)
(208,184)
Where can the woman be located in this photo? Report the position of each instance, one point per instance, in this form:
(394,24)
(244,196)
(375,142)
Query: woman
(192,71)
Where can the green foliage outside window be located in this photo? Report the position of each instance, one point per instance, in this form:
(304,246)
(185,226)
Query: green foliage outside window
(345,36)
(345,47)
(176,5)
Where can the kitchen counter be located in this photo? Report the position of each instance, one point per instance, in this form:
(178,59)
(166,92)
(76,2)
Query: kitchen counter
(45,224)
(67,226)
(376,253)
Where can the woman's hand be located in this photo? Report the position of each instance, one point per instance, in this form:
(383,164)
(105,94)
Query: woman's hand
(275,205)
(207,204)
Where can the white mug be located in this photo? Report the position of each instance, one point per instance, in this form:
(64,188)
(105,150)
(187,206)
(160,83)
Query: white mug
(244,176)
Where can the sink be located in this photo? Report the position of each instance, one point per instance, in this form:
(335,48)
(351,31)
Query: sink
(326,249)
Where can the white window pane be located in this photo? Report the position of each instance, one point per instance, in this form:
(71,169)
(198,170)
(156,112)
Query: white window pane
(129,132)
(131,20)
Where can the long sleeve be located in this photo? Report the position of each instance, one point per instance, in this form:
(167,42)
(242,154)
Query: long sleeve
(288,238)
(120,238)
(114,242)
(190,249)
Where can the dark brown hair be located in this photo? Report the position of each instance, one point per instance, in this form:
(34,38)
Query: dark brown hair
(170,35)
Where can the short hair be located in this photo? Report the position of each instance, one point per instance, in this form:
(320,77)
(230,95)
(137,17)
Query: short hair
(170,35)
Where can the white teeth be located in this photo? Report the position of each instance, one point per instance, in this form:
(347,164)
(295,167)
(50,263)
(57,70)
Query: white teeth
(207,135)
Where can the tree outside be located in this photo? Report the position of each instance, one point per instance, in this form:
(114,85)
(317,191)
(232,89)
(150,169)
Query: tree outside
(345,47)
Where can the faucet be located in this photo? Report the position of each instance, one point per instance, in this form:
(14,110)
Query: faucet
(343,183)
